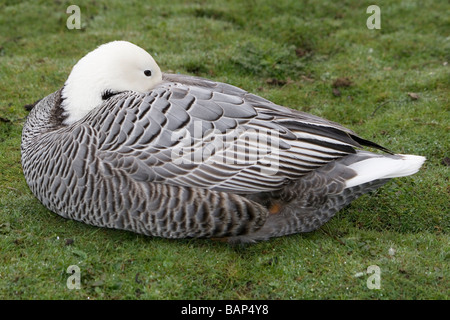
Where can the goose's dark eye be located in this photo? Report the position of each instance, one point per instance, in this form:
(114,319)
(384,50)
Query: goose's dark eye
(148,73)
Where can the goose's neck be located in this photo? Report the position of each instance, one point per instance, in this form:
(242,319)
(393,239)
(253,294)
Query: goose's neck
(79,97)
(47,115)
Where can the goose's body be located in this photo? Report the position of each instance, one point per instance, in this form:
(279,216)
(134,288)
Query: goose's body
(179,156)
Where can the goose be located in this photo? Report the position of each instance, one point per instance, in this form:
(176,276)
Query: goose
(125,146)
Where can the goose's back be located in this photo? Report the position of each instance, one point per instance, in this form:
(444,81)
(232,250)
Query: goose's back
(213,136)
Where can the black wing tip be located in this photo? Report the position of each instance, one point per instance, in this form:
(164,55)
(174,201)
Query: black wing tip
(369,143)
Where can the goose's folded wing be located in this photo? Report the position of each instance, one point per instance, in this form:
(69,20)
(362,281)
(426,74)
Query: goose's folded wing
(212,135)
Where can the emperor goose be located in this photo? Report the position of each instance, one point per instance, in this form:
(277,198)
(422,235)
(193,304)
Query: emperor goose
(122,145)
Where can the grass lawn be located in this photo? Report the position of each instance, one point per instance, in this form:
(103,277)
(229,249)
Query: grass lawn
(391,85)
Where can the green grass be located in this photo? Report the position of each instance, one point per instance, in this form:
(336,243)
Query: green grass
(290,52)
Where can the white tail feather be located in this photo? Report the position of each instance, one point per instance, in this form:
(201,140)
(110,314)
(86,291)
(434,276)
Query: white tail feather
(384,168)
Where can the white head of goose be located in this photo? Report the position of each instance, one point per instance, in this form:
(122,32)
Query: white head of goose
(111,68)
(118,147)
